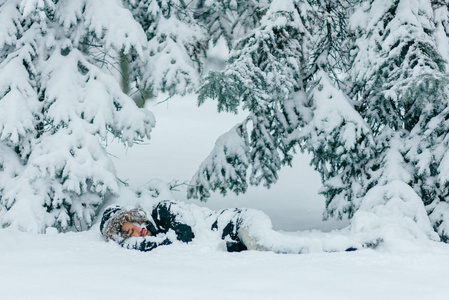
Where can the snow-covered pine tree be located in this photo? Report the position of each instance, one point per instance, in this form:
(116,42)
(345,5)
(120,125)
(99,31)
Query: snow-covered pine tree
(265,75)
(57,107)
(428,142)
(176,45)
(400,84)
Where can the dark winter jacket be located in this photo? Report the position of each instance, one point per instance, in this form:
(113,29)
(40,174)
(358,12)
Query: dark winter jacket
(166,226)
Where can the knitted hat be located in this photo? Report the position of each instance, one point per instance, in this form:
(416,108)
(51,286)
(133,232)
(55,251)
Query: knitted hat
(115,216)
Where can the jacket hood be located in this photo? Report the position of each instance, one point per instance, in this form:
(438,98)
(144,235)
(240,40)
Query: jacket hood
(115,216)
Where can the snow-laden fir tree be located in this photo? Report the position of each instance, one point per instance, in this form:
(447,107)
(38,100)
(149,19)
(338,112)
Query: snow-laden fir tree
(428,142)
(266,76)
(57,107)
(364,148)
(176,45)
(400,84)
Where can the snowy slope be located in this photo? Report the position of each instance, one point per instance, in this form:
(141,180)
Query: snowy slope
(83,266)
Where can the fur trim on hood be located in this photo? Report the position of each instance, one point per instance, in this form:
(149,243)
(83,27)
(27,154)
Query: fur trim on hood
(114,218)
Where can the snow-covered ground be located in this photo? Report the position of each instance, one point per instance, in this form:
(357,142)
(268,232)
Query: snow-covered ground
(82,266)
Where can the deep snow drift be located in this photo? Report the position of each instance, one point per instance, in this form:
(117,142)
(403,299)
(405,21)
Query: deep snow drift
(83,266)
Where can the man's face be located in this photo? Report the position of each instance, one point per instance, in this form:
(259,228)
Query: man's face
(131,229)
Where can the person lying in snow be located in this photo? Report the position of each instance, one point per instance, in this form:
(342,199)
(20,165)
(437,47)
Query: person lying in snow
(134,229)
(240,229)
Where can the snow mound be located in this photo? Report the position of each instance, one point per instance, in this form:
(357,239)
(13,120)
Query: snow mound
(392,216)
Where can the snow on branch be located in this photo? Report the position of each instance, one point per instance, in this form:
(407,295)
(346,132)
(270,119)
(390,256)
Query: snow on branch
(341,143)
(226,166)
(175,44)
